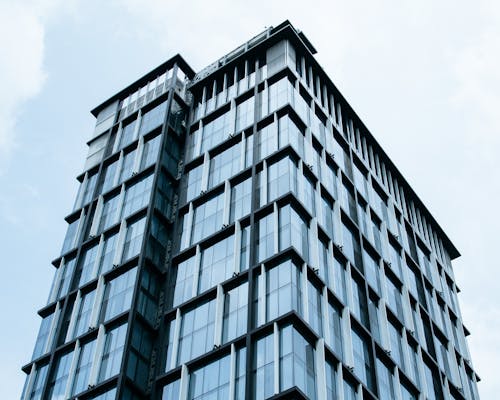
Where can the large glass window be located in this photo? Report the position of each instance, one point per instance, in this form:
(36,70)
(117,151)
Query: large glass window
(396,345)
(43,336)
(335,325)
(224,165)
(297,362)
(137,196)
(87,264)
(82,320)
(282,178)
(211,382)
(308,196)
(371,269)
(235,313)
(108,253)
(88,194)
(394,298)
(264,367)
(363,361)
(339,280)
(265,237)
(59,379)
(385,381)
(215,132)
(193,184)
(197,332)
(280,93)
(66,274)
(293,231)
(112,353)
(350,245)
(360,304)
(245,114)
(326,220)
(133,239)
(290,134)
(118,295)
(109,214)
(245,249)
(71,236)
(207,218)
(127,166)
(153,118)
(331,381)
(267,141)
(314,307)
(38,383)
(82,372)
(241,200)
(172,390)
(284,292)
(109,177)
(183,289)
(150,152)
(217,263)
(128,134)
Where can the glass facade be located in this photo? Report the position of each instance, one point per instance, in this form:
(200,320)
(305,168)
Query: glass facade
(239,234)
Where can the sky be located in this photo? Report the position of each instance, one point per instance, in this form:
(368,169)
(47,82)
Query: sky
(423,75)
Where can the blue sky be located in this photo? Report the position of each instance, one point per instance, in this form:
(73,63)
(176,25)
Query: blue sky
(424,77)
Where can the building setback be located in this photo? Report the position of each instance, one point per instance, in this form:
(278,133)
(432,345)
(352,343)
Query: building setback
(240,234)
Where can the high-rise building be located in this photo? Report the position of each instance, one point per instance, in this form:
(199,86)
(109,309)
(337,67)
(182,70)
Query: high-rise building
(240,234)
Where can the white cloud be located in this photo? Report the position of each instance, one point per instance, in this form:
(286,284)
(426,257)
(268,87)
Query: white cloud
(21,65)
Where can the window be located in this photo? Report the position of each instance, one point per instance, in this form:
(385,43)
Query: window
(396,345)
(108,181)
(128,134)
(235,313)
(207,218)
(118,295)
(193,182)
(265,237)
(351,247)
(329,178)
(326,219)
(280,93)
(360,305)
(127,166)
(66,272)
(224,165)
(82,372)
(297,362)
(133,239)
(109,215)
(324,262)
(183,289)
(264,367)
(172,390)
(245,249)
(241,200)
(150,152)
(197,332)
(371,269)
(217,263)
(211,382)
(59,380)
(215,132)
(308,196)
(71,236)
(87,263)
(38,383)
(331,381)
(348,203)
(385,381)
(407,393)
(289,134)
(241,368)
(282,178)
(395,260)
(88,194)
(394,298)
(109,395)
(314,302)
(108,252)
(374,316)
(267,141)
(335,325)
(82,320)
(153,118)
(43,336)
(137,196)
(245,114)
(363,361)
(349,390)
(112,353)
(293,231)
(284,292)
(360,181)
(339,281)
